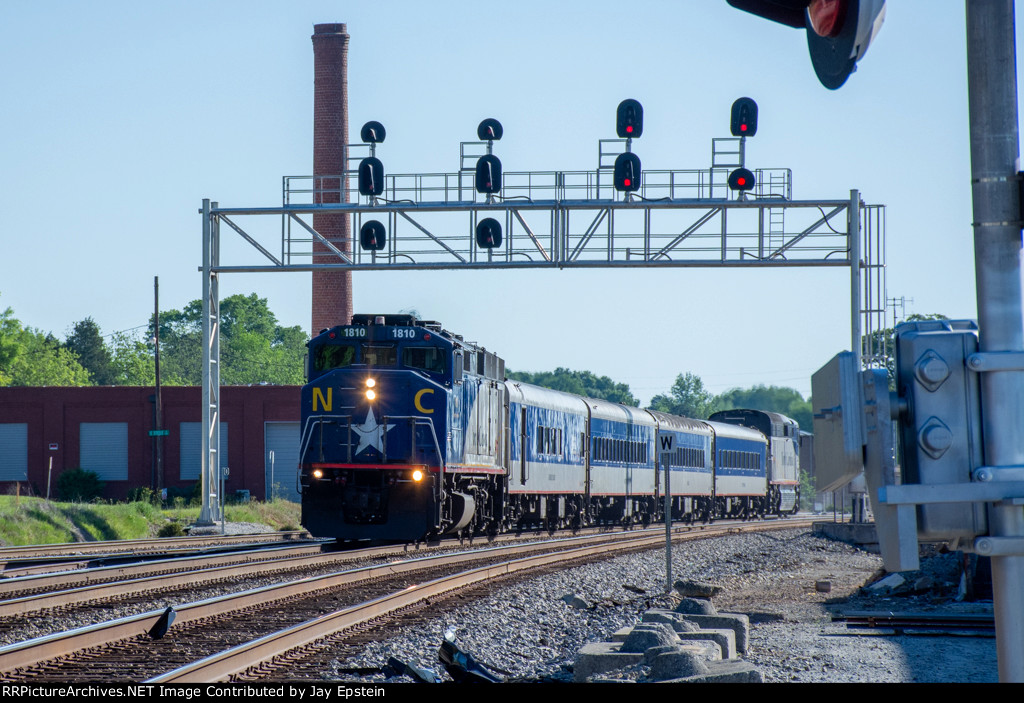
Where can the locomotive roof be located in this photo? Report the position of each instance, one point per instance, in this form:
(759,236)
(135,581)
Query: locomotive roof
(724,429)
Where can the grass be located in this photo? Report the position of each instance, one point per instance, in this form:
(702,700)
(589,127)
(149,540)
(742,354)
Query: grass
(37,521)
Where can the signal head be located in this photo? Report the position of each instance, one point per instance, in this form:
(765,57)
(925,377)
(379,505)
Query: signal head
(629,119)
(488,233)
(838,35)
(372,132)
(743,122)
(488,174)
(742,180)
(373,237)
(371,176)
(488,130)
(627,172)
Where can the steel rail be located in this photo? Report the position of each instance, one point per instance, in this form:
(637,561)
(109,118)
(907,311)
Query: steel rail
(238,659)
(208,570)
(30,652)
(9,554)
(202,570)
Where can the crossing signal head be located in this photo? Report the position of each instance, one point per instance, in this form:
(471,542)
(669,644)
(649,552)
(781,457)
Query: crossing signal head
(629,119)
(838,31)
(488,233)
(742,180)
(371,176)
(627,172)
(488,174)
(489,129)
(744,118)
(372,132)
(373,236)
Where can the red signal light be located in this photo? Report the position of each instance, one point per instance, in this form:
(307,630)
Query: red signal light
(743,128)
(826,16)
(627,183)
(741,181)
(629,129)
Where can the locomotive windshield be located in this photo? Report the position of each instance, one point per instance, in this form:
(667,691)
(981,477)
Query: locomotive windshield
(333,356)
(380,355)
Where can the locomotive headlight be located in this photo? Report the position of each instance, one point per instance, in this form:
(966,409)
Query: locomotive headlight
(417,475)
(370,383)
(318,473)
(370,394)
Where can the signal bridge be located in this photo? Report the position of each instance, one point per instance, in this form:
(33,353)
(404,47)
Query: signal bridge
(563,219)
(615,216)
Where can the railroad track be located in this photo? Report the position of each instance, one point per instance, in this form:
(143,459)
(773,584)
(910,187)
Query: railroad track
(246,632)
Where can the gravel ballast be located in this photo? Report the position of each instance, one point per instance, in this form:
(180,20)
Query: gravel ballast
(531,631)
(789,583)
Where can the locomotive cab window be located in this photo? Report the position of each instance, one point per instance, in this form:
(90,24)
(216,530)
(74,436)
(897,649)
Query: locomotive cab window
(333,356)
(380,355)
(430,359)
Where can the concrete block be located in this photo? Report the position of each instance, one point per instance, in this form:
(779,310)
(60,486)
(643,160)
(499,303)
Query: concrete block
(737,622)
(599,657)
(723,672)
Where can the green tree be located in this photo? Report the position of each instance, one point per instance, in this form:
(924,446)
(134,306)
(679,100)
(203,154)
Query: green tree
(86,342)
(132,362)
(688,398)
(582,383)
(41,360)
(254,348)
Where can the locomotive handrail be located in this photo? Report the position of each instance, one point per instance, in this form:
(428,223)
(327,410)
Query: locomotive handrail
(307,436)
(419,420)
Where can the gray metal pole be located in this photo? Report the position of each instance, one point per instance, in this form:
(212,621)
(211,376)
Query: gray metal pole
(854,229)
(205,512)
(992,90)
(666,467)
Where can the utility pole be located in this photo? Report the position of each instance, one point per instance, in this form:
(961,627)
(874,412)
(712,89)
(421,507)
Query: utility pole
(995,184)
(159,405)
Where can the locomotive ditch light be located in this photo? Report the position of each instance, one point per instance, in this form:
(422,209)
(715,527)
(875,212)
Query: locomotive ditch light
(417,475)
(318,473)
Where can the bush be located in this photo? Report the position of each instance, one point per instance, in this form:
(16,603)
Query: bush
(144,494)
(79,485)
(171,529)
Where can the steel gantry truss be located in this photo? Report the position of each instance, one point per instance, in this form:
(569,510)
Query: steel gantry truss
(552,219)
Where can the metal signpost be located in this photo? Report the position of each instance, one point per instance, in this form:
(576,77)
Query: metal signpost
(665,455)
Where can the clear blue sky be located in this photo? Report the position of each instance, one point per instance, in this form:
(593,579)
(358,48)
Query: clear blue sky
(118,118)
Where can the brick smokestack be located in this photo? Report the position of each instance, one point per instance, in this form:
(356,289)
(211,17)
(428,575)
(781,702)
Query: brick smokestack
(332,290)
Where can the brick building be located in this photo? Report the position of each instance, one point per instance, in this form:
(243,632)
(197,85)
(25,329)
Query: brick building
(106,430)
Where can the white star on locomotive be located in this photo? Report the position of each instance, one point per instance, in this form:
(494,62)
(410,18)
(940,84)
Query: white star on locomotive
(371,434)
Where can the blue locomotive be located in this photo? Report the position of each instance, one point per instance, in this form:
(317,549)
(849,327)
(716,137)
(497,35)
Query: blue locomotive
(409,432)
